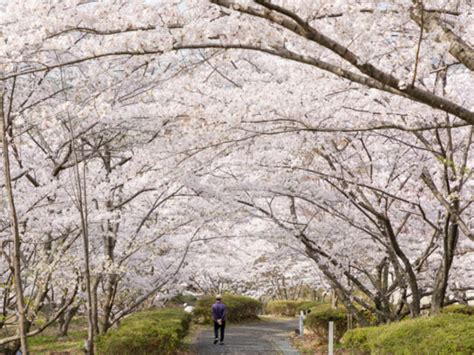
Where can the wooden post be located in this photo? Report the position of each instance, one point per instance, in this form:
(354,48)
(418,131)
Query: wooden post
(331,339)
(301,323)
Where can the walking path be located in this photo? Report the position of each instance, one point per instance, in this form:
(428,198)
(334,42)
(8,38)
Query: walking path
(259,338)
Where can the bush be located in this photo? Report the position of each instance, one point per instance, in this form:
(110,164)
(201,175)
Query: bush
(180,299)
(443,334)
(319,318)
(459,309)
(289,308)
(239,308)
(151,332)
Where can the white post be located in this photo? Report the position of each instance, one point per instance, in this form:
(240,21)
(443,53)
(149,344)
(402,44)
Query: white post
(331,339)
(301,323)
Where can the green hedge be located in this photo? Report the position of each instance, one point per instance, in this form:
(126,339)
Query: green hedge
(289,308)
(239,308)
(180,299)
(319,318)
(151,332)
(459,308)
(443,334)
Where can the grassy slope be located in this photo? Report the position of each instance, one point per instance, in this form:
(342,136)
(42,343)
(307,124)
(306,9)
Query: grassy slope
(48,341)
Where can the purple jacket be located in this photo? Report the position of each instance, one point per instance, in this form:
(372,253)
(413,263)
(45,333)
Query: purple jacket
(219,311)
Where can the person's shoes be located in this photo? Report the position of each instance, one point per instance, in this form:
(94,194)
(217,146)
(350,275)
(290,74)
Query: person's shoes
(221,343)
(216,340)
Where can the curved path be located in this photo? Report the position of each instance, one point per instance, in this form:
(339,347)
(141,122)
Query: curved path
(262,338)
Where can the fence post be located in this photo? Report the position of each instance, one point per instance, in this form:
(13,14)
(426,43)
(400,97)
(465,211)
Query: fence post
(302,323)
(331,339)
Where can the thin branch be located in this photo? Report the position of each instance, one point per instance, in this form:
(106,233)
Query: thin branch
(420,38)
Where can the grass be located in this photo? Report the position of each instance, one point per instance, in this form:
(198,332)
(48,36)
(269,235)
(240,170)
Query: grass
(190,338)
(48,342)
(311,344)
(44,344)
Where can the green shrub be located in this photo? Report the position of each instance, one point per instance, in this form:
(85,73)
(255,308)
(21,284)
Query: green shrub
(319,318)
(307,305)
(239,308)
(151,332)
(368,315)
(359,339)
(459,308)
(289,308)
(443,334)
(181,299)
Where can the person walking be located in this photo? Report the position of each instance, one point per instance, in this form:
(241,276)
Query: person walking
(219,312)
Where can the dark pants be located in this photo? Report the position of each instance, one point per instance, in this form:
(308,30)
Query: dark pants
(216,330)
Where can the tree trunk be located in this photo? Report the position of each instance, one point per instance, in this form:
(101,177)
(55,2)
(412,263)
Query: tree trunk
(82,207)
(95,304)
(338,291)
(110,239)
(415,304)
(449,247)
(333,298)
(65,321)
(109,303)
(20,302)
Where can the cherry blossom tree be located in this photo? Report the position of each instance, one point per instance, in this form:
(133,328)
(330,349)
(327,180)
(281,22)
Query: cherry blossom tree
(171,134)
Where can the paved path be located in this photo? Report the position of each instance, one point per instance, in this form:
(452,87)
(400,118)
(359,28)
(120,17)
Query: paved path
(259,338)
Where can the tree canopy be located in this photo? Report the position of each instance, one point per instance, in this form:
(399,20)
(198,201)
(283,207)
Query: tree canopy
(151,147)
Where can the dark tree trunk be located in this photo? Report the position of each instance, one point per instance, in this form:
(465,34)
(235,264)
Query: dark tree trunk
(449,247)
(65,321)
